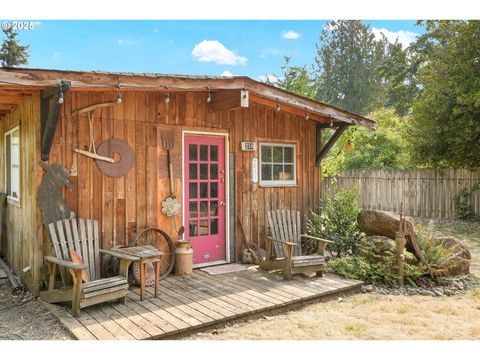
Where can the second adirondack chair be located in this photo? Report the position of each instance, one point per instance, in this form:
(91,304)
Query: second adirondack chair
(82,237)
(284,250)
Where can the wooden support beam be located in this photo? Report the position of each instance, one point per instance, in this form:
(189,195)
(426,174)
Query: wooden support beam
(286,108)
(326,148)
(228,100)
(50,113)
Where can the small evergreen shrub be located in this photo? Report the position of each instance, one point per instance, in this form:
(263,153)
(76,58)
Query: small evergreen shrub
(374,267)
(337,221)
(435,255)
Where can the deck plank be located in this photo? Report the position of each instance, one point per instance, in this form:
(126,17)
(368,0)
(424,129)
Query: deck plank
(190,295)
(187,304)
(133,329)
(94,326)
(116,330)
(137,318)
(240,291)
(190,289)
(172,309)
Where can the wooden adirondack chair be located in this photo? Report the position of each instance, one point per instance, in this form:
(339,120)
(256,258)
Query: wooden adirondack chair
(65,236)
(284,250)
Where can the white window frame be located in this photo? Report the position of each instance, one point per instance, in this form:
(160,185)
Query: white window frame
(292,182)
(8,172)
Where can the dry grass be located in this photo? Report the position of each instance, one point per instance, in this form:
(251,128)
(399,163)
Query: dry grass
(372,316)
(368,316)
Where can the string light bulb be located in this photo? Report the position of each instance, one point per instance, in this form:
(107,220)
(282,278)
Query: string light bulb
(209,96)
(60,97)
(306,114)
(167,98)
(331,122)
(119,98)
(278,106)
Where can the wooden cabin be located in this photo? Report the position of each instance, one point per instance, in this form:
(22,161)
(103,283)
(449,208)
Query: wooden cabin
(238,147)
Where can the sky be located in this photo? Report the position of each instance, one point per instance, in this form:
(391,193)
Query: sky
(255,48)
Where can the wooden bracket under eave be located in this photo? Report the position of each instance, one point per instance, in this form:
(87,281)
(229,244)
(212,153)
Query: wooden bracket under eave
(223,100)
(322,151)
(50,113)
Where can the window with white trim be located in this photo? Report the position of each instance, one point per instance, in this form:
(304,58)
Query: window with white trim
(12,163)
(277,164)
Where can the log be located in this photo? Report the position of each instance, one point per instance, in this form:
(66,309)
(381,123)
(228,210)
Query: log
(17,287)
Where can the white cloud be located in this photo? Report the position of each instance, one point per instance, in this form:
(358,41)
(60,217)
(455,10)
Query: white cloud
(290,35)
(270,77)
(404,37)
(56,55)
(215,51)
(227,73)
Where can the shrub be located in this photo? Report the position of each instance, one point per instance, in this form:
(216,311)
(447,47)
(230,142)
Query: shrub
(374,266)
(435,255)
(337,221)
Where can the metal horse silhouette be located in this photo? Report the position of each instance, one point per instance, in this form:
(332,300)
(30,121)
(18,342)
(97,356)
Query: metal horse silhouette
(51,202)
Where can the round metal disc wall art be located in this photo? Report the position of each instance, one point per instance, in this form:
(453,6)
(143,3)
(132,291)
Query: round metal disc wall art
(115,146)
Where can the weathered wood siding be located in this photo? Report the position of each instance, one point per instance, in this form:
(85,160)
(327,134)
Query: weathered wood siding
(22,243)
(134,201)
(424,193)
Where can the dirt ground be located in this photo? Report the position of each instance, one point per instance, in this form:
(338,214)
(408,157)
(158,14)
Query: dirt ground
(23,318)
(363,316)
(373,316)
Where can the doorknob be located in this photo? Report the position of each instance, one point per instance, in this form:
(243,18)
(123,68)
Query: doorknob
(222,203)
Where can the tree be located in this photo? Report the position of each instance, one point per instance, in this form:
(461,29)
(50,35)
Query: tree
(445,126)
(386,148)
(399,71)
(296,79)
(348,61)
(12,53)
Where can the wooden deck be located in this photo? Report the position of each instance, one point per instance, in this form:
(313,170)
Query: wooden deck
(201,301)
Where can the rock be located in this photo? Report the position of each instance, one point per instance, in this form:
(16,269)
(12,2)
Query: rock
(447,292)
(427,292)
(363,290)
(459,262)
(369,288)
(386,223)
(410,259)
(382,244)
(438,291)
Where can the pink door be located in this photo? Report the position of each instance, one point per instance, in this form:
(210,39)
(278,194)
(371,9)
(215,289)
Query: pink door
(205,197)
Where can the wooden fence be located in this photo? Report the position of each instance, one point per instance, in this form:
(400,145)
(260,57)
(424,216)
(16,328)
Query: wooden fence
(424,193)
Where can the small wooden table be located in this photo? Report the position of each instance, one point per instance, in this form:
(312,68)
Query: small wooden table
(146,254)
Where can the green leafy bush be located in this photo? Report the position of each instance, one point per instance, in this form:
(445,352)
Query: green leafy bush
(337,221)
(374,266)
(436,256)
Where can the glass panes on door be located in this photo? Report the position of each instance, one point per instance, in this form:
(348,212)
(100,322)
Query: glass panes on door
(203,185)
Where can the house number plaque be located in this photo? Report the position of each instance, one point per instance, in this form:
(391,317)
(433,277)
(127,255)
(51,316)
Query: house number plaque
(248,146)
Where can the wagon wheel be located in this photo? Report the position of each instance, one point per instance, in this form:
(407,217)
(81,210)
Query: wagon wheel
(158,239)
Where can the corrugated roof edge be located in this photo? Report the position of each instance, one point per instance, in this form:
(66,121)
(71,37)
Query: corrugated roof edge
(371,123)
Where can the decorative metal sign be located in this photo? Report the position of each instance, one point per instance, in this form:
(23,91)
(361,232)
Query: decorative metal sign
(248,146)
(254,170)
